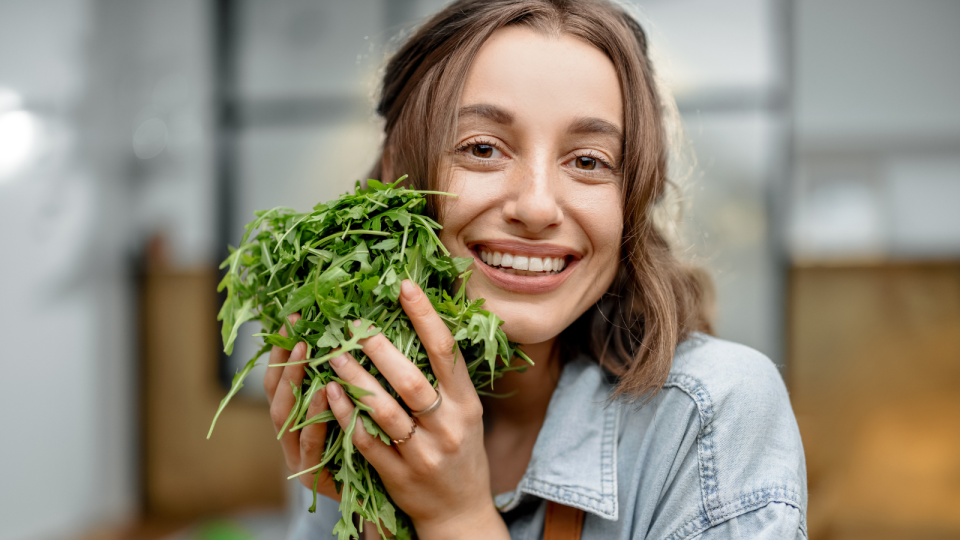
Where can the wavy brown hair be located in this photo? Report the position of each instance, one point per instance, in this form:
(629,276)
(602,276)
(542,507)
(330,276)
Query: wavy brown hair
(655,301)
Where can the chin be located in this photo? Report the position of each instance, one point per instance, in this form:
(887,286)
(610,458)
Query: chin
(529,332)
(528,323)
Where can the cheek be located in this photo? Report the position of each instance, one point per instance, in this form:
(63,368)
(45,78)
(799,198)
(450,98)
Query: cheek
(600,215)
(477,196)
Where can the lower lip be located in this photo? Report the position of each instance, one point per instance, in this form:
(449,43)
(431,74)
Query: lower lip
(525,284)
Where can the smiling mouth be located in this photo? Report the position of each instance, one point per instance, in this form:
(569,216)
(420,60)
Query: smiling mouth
(521,265)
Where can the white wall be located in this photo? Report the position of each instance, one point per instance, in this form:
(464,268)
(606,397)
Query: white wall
(875,70)
(877,130)
(75,214)
(65,456)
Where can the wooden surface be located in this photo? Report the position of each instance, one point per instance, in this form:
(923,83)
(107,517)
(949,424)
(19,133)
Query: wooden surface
(185,475)
(875,382)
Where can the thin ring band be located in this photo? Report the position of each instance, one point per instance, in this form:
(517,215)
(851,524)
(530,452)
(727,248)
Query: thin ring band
(413,429)
(434,406)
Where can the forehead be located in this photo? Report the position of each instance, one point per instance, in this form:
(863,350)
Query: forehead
(544,78)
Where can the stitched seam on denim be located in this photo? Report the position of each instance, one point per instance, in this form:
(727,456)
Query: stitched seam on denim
(608,455)
(570,497)
(759,498)
(579,490)
(700,523)
(708,474)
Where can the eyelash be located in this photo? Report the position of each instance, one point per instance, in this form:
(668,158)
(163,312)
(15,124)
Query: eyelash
(478,141)
(475,142)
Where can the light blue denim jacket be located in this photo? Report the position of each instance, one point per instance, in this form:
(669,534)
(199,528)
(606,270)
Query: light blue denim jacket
(715,455)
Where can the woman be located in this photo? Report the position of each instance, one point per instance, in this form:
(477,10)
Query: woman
(542,115)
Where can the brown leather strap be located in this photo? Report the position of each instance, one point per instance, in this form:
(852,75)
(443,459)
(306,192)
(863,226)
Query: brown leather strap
(562,522)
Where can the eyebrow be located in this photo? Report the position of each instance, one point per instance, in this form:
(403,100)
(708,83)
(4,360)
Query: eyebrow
(581,126)
(596,126)
(490,112)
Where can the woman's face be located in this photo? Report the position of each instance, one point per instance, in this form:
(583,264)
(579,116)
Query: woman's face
(536,167)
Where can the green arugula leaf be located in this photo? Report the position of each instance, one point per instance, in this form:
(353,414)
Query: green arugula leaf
(344,261)
(240,316)
(236,386)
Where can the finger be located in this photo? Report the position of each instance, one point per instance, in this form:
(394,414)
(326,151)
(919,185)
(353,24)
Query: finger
(387,413)
(278,355)
(271,378)
(283,403)
(313,439)
(436,339)
(381,456)
(404,376)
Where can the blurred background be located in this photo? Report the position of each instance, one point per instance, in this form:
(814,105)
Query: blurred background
(821,184)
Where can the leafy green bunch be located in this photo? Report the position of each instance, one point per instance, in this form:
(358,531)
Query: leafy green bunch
(343,262)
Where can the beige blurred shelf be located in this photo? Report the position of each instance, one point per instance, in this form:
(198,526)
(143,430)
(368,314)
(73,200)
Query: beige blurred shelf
(875,381)
(186,476)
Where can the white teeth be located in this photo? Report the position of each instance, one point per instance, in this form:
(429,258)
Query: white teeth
(508,262)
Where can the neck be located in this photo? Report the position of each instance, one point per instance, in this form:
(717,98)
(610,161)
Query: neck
(531,390)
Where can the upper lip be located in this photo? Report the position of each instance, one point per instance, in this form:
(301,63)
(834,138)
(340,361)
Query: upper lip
(524,248)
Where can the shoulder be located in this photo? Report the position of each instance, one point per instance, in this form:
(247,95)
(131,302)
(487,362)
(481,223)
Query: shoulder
(733,381)
(739,448)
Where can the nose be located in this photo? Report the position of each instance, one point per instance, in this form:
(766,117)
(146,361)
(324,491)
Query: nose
(535,203)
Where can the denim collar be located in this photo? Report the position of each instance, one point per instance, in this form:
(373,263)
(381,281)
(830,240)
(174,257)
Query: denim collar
(574,460)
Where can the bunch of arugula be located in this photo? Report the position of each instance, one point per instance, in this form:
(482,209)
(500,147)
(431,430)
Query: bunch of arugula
(342,262)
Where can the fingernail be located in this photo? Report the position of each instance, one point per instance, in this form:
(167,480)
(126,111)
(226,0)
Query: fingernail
(356,323)
(319,396)
(408,289)
(300,350)
(338,361)
(334,391)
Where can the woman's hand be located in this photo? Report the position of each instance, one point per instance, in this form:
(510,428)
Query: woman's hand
(440,475)
(302,449)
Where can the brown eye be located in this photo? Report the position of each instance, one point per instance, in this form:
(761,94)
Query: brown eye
(482,151)
(586,163)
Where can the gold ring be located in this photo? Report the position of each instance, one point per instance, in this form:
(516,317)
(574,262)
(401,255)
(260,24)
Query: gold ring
(413,429)
(434,406)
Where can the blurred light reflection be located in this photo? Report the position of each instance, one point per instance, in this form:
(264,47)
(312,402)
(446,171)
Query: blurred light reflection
(18,137)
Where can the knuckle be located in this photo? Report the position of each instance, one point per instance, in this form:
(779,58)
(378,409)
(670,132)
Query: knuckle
(363,441)
(310,446)
(277,416)
(430,464)
(450,442)
(473,413)
(375,345)
(392,416)
(444,345)
(408,383)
